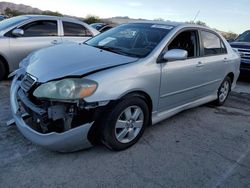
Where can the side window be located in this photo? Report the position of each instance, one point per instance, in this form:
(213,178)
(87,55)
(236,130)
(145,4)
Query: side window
(42,28)
(75,30)
(187,40)
(212,44)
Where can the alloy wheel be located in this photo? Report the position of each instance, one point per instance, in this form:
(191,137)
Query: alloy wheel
(129,124)
(224,90)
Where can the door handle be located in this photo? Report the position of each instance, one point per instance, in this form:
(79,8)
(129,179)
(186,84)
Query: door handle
(200,64)
(225,59)
(54,42)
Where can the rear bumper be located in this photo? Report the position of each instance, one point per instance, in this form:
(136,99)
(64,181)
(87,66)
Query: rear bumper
(72,140)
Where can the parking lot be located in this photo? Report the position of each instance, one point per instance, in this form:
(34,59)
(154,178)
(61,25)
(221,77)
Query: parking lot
(201,147)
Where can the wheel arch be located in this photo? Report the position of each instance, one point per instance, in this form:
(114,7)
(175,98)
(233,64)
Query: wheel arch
(143,95)
(5,62)
(94,133)
(231,76)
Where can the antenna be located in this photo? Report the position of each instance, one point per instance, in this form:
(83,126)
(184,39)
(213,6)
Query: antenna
(197,14)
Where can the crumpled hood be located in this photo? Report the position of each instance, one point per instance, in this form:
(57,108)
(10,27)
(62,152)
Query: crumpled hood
(240,45)
(71,60)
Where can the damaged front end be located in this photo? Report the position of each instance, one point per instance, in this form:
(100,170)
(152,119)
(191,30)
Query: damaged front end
(54,124)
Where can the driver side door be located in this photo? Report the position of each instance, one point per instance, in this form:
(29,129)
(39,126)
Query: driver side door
(37,34)
(182,80)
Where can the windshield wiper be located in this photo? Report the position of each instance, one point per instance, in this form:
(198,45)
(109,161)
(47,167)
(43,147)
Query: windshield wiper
(117,51)
(112,49)
(109,48)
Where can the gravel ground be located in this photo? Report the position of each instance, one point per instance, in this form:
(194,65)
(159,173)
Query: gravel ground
(201,147)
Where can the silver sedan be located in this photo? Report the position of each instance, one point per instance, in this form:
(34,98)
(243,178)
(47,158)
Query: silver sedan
(113,86)
(21,35)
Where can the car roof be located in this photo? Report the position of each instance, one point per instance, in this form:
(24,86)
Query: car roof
(170,23)
(51,17)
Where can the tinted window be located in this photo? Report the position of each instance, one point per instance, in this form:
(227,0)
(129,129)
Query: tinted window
(245,37)
(187,40)
(77,30)
(212,44)
(40,28)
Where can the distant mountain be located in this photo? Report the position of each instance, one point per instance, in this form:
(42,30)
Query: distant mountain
(18,7)
(117,20)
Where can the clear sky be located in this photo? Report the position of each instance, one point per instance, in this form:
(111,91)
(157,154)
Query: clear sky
(226,15)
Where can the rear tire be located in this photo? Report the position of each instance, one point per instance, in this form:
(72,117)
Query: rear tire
(3,71)
(125,123)
(223,92)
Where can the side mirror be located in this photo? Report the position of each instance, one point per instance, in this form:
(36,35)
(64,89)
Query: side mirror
(18,32)
(175,54)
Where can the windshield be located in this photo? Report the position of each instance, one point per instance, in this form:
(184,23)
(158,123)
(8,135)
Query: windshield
(245,37)
(135,40)
(12,21)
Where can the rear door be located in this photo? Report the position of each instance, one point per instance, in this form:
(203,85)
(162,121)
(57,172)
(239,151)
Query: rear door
(215,60)
(75,32)
(37,34)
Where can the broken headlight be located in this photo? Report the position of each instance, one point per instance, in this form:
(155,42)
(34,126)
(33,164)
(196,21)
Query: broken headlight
(66,89)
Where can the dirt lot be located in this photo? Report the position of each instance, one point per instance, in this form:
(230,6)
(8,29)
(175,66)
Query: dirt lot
(201,147)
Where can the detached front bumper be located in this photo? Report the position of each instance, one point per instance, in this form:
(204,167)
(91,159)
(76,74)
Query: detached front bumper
(71,140)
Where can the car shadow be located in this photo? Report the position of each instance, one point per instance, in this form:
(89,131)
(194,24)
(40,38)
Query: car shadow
(244,78)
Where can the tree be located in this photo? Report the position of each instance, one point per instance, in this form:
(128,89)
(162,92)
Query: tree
(229,35)
(50,13)
(201,23)
(92,19)
(10,13)
(197,23)
(158,19)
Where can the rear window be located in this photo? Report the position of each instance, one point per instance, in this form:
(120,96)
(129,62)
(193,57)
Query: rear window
(212,44)
(75,30)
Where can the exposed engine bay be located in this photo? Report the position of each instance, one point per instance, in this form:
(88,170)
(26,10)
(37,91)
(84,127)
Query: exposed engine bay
(47,116)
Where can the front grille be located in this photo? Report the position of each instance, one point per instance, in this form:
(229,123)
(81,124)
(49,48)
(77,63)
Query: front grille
(27,82)
(244,53)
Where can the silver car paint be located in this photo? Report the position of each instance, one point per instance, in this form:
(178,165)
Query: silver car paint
(76,60)
(172,86)
(144,74)
(16,49)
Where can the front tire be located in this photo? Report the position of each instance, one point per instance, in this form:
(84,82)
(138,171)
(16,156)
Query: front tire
(125,123)
(223,91)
